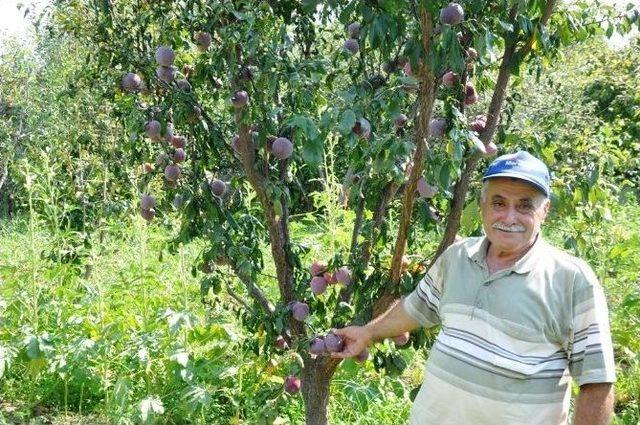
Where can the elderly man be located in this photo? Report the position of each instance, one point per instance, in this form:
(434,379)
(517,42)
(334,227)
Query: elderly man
(519,318)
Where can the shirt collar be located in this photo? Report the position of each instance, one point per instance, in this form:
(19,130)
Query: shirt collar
(477,251)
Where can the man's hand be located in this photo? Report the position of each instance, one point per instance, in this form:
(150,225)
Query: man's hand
(395,321)
(594,404)
(356,339)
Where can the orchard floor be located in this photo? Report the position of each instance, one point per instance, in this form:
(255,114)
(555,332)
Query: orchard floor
(127,339)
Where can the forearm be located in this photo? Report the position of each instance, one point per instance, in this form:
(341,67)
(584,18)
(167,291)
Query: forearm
(594,404)
(391,323)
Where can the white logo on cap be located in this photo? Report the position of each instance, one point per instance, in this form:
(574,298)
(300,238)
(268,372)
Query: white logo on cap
(511,162)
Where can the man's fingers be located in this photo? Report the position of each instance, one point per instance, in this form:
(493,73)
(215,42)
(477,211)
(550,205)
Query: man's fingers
(342,355)
(340,332)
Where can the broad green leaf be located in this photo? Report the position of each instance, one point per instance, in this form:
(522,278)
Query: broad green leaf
(150,407)
(180,357)
(347,121)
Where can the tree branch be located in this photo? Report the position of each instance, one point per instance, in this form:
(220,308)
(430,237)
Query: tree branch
(240,300)
(278,229)
(357,226)
(378,218)
(425,107)
(546,14)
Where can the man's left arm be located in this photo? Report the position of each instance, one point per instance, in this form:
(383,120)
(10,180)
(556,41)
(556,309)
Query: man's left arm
(594,404)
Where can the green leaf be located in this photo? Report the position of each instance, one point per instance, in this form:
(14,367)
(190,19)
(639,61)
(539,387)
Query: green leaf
(7,354)
(506,26)
(347,121)
(306,124)
(180,357)
(150,407)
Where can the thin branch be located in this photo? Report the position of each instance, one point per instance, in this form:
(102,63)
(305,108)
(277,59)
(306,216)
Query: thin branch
(252,289)
(378,218)
(365,250)
(357,226)
(240,300)
(546,14)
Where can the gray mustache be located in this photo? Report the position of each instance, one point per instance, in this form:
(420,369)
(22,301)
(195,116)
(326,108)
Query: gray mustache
(516,228)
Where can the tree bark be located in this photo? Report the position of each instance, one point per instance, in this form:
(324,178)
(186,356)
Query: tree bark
(278,234)
(426,98)
(316,380)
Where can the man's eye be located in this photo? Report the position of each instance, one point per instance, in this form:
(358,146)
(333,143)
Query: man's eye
(526,207)
(498,203)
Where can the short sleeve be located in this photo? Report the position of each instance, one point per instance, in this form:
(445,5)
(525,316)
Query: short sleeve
(590,347)
(423,303)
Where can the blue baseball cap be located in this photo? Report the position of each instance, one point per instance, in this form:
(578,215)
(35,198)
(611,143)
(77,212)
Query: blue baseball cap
(521,165)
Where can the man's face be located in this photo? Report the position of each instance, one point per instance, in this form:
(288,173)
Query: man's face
(512,212)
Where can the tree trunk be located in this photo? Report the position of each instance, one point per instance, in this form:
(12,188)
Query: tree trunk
(316,380)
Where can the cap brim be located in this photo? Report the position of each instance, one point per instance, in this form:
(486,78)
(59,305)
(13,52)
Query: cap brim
(519,177)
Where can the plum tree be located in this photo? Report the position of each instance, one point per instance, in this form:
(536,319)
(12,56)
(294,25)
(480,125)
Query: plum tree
(317,346)
(318,267)
(333,343)
(172,173)
(168,133)
(166,73)
(401,339)
(152,129)
(437,127)
(321,102)
(343,275)
(470,95)
(300,310)
(149,214)
(179,155)
(478,124)
(147,202)
(178,142)
(330,278)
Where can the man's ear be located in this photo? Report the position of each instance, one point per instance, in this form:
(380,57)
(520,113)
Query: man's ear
(545,208)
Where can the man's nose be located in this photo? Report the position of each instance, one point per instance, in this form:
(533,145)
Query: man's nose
(510,214)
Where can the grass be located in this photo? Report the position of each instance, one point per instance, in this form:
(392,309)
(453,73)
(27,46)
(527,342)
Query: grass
(127,339)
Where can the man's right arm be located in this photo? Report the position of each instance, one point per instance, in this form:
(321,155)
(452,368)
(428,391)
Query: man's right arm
(393,322)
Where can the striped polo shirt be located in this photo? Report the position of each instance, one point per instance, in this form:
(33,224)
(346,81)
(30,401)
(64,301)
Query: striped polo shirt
(510,342)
